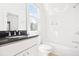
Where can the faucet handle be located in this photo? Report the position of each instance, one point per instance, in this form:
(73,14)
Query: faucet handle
(9,33)
(19,32)
(14,32)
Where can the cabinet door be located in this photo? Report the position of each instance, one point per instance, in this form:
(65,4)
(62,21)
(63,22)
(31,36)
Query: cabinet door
(21,54)
(33,51)
(24,53)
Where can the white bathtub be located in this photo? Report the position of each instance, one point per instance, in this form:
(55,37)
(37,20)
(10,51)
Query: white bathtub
(62,50)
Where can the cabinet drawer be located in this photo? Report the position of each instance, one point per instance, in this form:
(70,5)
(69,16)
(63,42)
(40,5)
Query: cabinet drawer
(30,52)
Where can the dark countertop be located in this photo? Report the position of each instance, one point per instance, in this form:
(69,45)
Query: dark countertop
(7,40)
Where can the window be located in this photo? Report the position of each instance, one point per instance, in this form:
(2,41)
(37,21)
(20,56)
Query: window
(33,12)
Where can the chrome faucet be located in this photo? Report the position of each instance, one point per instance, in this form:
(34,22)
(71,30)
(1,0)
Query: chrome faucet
(9,33)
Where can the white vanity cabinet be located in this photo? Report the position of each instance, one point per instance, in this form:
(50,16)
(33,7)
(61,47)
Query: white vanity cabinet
(20,48)
(33,51)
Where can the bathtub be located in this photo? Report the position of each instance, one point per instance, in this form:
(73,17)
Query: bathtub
(62,50)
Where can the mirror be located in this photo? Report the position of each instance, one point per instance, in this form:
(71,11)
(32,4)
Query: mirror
(12,22)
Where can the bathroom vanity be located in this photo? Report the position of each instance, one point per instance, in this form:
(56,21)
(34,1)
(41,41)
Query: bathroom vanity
(21,46)
(19,33)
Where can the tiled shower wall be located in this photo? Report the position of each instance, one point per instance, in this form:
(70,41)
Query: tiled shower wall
(60,24)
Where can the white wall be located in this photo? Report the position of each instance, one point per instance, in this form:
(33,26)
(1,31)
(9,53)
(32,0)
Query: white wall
(60,26)
(15,8)
(2,21)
